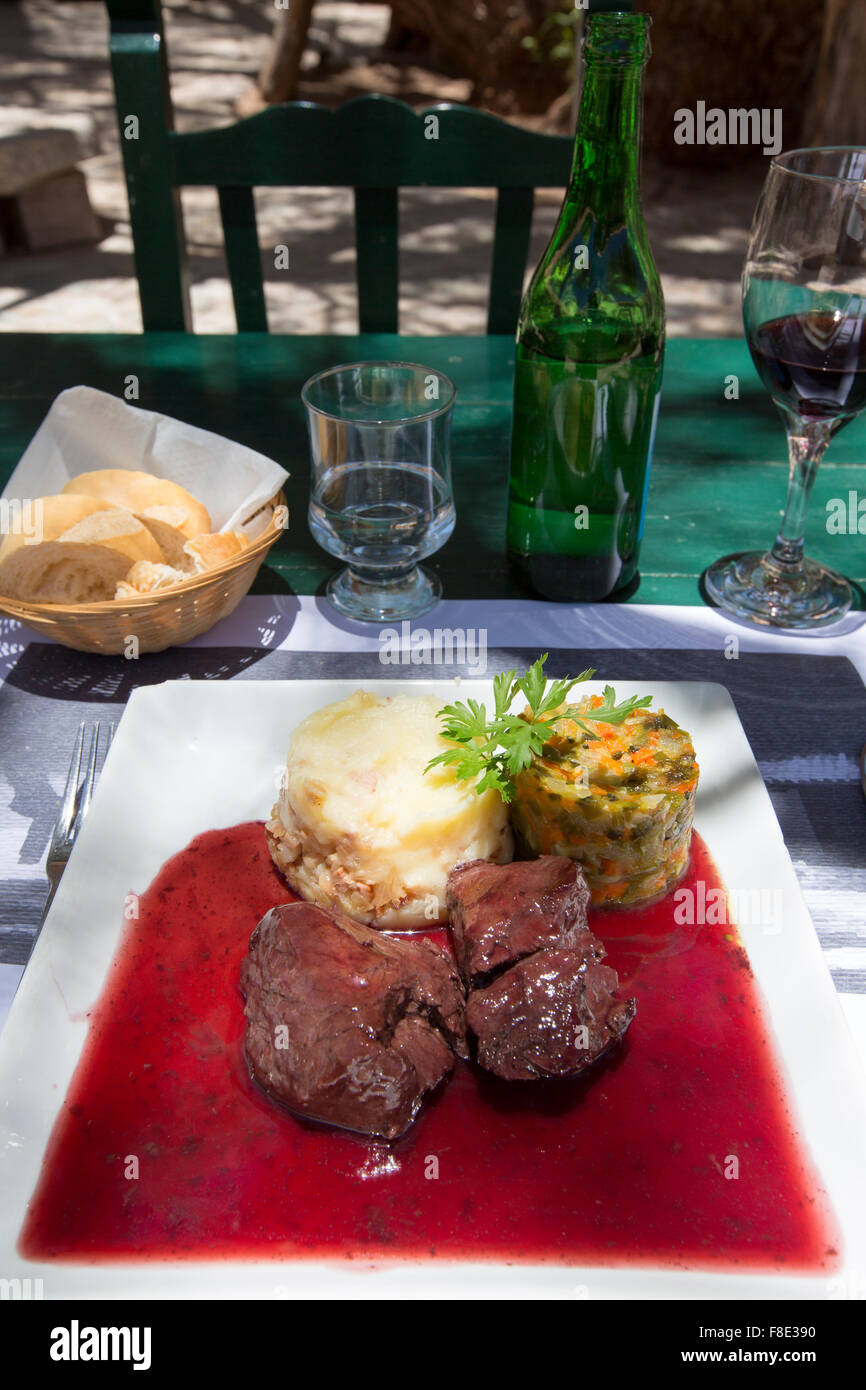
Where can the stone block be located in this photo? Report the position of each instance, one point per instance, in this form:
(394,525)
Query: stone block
(54,212)
(36,144)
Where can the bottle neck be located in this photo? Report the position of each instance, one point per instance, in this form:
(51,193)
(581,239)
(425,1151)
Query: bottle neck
(605,173)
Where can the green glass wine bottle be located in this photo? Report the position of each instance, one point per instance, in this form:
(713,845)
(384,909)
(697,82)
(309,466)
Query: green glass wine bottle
(590,348)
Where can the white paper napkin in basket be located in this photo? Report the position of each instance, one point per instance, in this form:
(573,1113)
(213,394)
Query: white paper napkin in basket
(87,429)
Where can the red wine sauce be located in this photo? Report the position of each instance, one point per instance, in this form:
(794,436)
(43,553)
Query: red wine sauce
(165,1149)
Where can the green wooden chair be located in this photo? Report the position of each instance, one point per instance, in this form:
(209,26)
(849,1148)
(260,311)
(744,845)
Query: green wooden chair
(374,145)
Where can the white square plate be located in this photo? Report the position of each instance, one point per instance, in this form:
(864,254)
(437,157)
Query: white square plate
(191,756)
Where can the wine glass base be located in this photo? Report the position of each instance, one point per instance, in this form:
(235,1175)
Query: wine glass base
(384,601)
(754,587)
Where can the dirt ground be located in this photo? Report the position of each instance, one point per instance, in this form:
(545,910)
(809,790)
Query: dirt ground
(56,58)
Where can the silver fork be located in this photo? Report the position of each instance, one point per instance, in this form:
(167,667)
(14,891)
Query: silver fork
(73,809)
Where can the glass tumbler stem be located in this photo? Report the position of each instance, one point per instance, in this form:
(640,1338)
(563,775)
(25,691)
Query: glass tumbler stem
(807,442)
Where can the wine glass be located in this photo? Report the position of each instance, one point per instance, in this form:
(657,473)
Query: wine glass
(804,310)
(381,497)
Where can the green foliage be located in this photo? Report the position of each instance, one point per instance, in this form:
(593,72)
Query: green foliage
(555,42)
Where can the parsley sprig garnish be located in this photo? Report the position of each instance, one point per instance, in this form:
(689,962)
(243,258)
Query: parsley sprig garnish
(493,750)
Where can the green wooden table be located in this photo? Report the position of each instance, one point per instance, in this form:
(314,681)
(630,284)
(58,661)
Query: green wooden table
(718,481)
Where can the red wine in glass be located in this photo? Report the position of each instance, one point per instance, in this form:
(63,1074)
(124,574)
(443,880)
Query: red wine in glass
(814,363)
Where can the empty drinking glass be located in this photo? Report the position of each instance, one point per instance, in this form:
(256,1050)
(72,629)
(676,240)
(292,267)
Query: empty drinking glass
(380,495)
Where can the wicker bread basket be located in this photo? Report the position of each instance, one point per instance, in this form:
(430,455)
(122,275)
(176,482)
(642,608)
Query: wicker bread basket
(163,619)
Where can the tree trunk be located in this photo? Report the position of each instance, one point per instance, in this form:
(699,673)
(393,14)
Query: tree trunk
(278,79)
(836,114)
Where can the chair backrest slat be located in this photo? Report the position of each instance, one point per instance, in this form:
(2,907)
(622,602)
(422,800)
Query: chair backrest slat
(144,118)
(243,258)
(378,259)
(368,142)
(510,246)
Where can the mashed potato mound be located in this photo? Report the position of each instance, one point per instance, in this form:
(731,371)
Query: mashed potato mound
(359,825)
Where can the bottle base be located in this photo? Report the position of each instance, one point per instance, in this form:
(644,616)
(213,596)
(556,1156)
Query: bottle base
(567,579)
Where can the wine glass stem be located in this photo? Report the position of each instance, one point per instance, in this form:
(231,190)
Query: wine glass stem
(806,445)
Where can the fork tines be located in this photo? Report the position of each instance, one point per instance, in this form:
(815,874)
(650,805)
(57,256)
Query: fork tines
(77,798)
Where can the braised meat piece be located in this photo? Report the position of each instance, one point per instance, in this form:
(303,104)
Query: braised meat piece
(346,1025)
(503,912)
(551,1014)
(540,1003)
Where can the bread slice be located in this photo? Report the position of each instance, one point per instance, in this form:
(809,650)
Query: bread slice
(62,572)
(211,551)
(148,578)
(165,524)
(48,518)
(120,530)
(138,492)
(84,564)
